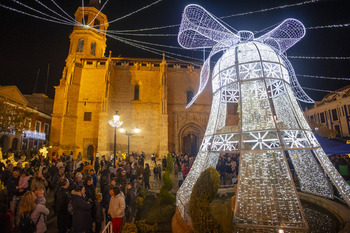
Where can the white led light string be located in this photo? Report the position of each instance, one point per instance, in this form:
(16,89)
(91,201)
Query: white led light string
(98,12)
(64,11)
(44,14)
(152,50)
(323,77)
(320,58)
(132,13)
(34,16)
(48,8)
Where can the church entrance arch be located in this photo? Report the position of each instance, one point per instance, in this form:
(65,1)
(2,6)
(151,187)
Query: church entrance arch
(4,143)
(190,137)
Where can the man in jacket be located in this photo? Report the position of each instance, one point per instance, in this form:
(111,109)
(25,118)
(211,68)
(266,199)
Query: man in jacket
(117,209)
(82,216)
(61,206)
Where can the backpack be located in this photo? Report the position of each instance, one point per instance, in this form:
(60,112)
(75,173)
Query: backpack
(26,224)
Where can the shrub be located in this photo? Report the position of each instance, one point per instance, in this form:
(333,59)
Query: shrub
(129,228)
(203,193)
(143,227)
(170,163)
(165,196)
(139,202)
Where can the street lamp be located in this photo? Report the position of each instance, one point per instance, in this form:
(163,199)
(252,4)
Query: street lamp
(136,131)
(115,123)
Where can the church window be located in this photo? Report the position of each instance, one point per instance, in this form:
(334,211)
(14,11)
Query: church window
(87,116)
(37,126)
(137,92)
(80,46)
(189,96)
(334,115)
(322,117)
(93,48)
(97,24)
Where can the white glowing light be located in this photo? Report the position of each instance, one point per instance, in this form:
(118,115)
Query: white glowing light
(255,74)
(34,135)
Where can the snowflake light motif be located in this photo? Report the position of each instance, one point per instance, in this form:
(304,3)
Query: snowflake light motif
(262,142)
(250,70)
(228,76)
(294,139)
(206,143)
(224,142)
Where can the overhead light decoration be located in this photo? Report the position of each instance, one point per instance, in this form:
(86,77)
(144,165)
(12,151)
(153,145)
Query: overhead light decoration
(34,135)
(255,74)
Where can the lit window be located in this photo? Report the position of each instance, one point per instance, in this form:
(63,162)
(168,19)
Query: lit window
(37,126)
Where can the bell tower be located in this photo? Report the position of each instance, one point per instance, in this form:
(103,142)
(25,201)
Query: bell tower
(87,41)
(88,38)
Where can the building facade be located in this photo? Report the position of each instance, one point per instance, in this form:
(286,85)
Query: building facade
(38,133)
(150,94)
(333,111)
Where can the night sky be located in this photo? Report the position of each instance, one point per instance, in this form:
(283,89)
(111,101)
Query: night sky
(28,44)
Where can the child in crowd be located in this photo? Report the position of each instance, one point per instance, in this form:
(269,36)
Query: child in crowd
(23,181)
(98,212)
(40,196)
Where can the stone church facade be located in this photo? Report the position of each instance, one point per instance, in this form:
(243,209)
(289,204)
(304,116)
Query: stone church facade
(150,94)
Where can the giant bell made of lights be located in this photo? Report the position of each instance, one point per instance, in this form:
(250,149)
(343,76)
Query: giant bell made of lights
(255,74)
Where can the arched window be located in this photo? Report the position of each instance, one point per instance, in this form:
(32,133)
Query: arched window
(80,46)
(93,49)
(14,144)
(137,92)
(189,96)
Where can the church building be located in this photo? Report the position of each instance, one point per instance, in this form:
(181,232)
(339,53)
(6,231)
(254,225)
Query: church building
(150,94)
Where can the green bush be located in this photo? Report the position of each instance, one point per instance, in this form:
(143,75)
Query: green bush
(139,202)
(165,196)
(169,163)
(143,227)
(167,181)
(129,228)
(203,193)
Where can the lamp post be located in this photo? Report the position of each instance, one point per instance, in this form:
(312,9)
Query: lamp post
(115,122)
(136,131)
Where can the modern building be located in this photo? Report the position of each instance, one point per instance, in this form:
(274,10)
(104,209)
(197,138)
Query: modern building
(38,133)
(333,111)
(150,94)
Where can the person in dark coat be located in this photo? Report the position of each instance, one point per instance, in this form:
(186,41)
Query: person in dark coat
(97,165)
(82,217)
(62,198)
(146,175)
(98,212)
(130,201)
(89,188)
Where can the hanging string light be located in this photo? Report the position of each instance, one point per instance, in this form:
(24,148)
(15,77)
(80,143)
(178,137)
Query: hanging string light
(320,58)
(48,8)
(315,89)
(270,9)
(34,16)
(64,11)
(98,13)
(140,34)
(134,12)
(330,26)
(322,77)
(30,8)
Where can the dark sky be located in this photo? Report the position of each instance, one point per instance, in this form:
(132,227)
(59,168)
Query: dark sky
(28,44)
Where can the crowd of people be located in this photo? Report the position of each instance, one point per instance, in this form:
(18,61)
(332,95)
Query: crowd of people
(85,194)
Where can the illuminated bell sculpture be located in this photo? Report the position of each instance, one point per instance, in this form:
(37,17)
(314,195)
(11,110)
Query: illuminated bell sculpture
(254,74)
